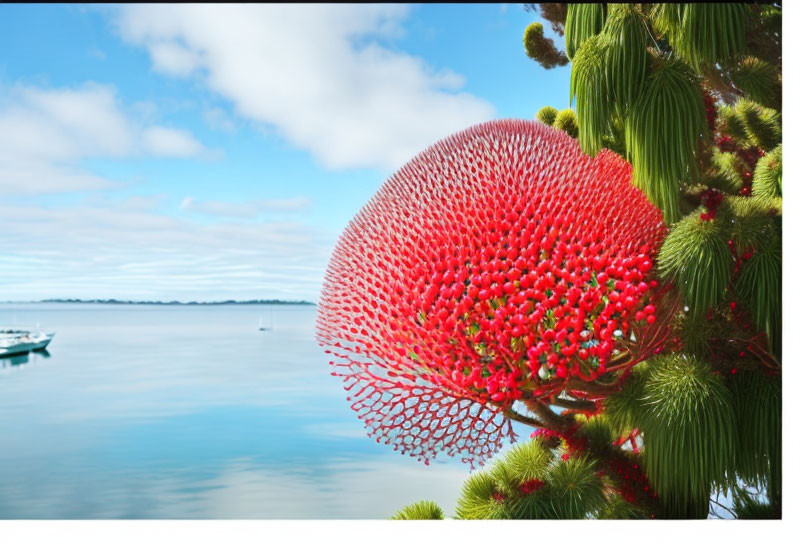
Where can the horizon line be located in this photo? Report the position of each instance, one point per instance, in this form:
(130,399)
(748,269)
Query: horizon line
(158,302)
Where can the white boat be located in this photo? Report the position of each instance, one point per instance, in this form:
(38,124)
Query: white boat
(18,342)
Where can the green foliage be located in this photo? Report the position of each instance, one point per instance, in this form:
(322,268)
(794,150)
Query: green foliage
(689,427)
(733,125)
(748,507)
(626,65)
(534,32)
(757,403)
(767,177)
(576,490)
(598,432)
(758,285)
(758,79)
(529,460)
(750,124)
(583,22)
(420,510)
(662,144)
(752,223)
(542,49)
(477,499)
(705,34)
(568,489)
(619,508)
(762,125)
(589,88)
(730,167)
(566,121)
(526,461)
(537,505)
(695,333)
(696,258)
(615,139)
(622,407)
(666,17)
(716,180)
(636,75)
(547,115)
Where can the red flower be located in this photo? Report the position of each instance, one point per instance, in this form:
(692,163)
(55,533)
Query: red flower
(530,486)
(498,264)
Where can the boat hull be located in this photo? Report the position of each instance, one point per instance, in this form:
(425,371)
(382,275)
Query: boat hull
(22,347)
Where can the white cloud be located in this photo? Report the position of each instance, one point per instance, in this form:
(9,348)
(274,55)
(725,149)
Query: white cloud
(174,59)
(168,142)
(217,119)
(90,250)
(46,133)
(321,75)
(245,209)
(59,124)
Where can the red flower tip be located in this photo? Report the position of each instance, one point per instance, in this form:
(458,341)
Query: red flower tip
(531,486)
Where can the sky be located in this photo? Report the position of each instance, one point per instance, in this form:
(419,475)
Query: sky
(200,152)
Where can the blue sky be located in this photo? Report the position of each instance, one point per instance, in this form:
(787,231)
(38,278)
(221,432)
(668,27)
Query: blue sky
(214,152)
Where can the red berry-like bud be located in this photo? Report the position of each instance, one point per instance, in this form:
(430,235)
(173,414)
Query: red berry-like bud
(470,264)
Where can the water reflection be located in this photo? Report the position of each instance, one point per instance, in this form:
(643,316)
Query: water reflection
(14,360)
(21,359)
(182,412)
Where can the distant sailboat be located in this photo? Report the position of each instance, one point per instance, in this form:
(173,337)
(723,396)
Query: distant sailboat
(261,326)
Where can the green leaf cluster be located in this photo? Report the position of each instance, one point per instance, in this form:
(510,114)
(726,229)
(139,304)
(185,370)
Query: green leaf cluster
(626,63)
(751,124)
(759,80)
(547,115)
(757,402)
(566,121)
(420,510)
(695,257)
(583,22)
(704,34)
(758,285)
(541,48)
(686,416)
(591,105)
(570,489)
(662,144)
(768,176)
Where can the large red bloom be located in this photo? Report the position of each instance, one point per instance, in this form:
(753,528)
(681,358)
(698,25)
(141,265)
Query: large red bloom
(500,264)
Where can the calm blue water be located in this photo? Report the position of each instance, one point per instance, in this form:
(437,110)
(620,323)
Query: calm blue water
(191,412)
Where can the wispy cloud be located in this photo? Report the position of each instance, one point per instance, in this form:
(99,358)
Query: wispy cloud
(127,249)
(168,142)
(46,133)
(218,119)
(245,209)
(344,95)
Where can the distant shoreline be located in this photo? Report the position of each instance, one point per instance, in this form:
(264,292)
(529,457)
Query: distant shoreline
(164,303)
